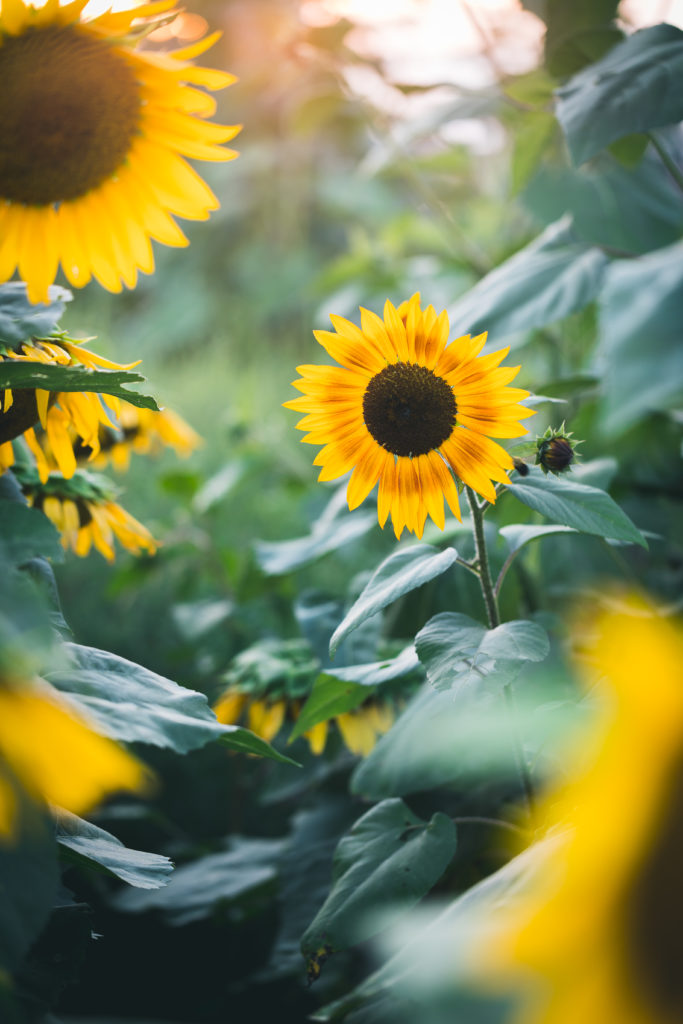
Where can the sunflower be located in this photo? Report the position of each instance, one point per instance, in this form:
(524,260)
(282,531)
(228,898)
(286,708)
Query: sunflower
(596,936)
(95,135)
(360,729)
(62,415)
(85,513)
(408,410)
(54,755)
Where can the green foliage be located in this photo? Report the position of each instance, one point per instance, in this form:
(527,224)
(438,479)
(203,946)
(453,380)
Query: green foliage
(403,571)
(86,843)
(385,864)
(74,378)
(20,320)
(628,91)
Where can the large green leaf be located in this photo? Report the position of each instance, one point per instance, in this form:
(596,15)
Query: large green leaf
(587,509)
(92,844)
(133,704)
(20,374)
(26,533)
(631,89)
(634,209)
(377,672)
(387,862)
(21,319)
(329,697)
(442,738)
(198,889)
(278,557)
(404,570)
(456,650)
(642,299)
(553,276)
(516,535)
(29,878)
(432,948)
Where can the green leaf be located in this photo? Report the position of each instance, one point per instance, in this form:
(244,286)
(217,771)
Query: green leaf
(29,878)
(90,843)
(329,697)
(433,956)
(534,89)
(377,672)
(403,571)
(387,862)
(278,557)
(455,649)
(199,889)
(587,509)
(26,533)
(633,209)
(133,704)
(16,374)
(440,739)
(642,299)
(629,90)
(21,319)
(553,276)
(516,535)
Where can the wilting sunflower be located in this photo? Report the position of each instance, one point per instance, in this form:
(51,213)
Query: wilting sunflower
(595,936)
(95,135)
(47,749)
(84,511)
(408,410)
(360,729)
(62,414)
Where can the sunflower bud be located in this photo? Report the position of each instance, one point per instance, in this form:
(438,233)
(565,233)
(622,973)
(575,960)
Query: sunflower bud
(555,450)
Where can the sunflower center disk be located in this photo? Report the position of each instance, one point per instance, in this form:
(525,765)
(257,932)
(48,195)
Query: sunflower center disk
(655,910)
(408,409)
(69,108)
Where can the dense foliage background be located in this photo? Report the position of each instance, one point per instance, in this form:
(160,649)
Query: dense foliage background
(531,197)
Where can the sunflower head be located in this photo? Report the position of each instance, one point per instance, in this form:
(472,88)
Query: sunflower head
(84,510)
(409,411)
(95,132)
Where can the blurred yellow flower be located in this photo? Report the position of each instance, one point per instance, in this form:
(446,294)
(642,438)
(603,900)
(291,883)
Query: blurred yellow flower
(410,411)
(61,414)
(145,432)
(595,937)
(360,729)
(96,135)
(95,521)
(55,756)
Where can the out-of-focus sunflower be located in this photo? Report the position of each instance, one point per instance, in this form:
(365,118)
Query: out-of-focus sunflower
(54,755)
(84,511)
(360,729)
(408,410)
(95,134)
(143,431)
(595,936)
(61,414)
(268,684)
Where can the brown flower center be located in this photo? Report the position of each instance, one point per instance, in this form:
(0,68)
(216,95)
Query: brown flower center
(69,108)
(408,409)
(655,912)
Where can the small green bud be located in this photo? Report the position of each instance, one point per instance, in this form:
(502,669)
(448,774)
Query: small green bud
(556,450)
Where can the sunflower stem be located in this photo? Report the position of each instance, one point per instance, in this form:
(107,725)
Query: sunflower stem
(482,559)
(493,614)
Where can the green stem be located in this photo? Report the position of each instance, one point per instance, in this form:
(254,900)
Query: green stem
(481,554)
(673,169)
(491,602)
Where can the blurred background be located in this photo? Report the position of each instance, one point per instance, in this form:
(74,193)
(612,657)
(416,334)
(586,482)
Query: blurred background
(389,146)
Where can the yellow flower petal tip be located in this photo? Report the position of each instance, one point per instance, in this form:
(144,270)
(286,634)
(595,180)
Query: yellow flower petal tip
(56,757)
(97,134)
(406,410)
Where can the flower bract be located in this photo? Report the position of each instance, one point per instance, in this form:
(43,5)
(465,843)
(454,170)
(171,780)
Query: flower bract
(96,133)
(406,409)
